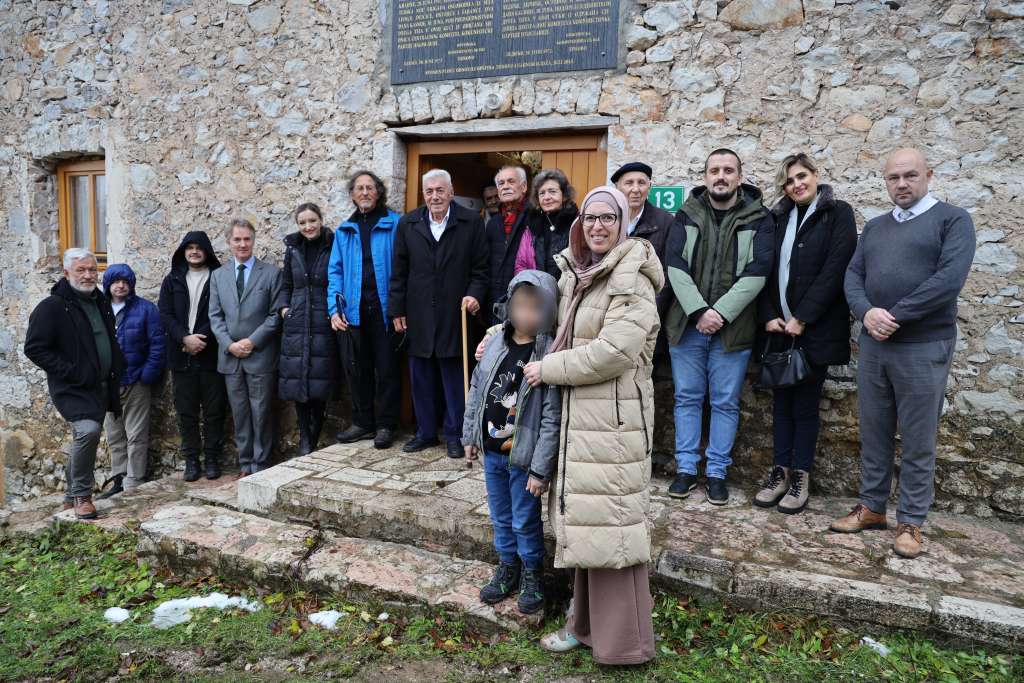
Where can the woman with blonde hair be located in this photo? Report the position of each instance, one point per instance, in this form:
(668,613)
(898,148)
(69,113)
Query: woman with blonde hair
(803,304)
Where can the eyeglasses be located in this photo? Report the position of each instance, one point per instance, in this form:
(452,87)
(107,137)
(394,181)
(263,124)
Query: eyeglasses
(607,219)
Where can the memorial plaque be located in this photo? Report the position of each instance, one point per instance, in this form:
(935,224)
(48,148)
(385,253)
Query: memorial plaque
(434,40)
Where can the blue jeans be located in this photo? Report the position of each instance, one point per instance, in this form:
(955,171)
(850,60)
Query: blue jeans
(515,513)
(700,364)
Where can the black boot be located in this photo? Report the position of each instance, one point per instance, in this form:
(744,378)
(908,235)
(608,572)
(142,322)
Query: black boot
(212,467)
(115,487)
(191,468)
(316,425)
(304,421)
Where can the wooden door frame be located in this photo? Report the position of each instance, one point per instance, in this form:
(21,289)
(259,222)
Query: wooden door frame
(593,141)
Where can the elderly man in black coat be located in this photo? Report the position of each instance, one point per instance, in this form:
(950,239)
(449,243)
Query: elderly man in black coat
(439,265)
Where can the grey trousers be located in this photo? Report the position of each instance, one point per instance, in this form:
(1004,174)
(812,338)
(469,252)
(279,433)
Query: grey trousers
(85,438)
(128,436)
(251,396)
(900,387)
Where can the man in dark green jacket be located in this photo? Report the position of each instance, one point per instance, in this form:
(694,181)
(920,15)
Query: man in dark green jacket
(719,253)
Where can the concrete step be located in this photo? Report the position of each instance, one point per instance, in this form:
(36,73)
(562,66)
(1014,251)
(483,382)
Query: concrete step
(203,539)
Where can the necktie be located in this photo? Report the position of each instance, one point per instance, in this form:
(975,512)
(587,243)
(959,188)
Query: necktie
(905,215)
(240,280)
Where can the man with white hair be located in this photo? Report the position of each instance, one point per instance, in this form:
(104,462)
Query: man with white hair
(509,240)
(71,337)
(439,265)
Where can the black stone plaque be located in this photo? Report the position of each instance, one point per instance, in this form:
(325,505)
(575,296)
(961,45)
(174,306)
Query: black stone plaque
(433,40)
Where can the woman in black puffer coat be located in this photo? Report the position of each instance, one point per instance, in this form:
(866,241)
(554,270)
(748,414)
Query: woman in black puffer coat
(552,212)
(308,369)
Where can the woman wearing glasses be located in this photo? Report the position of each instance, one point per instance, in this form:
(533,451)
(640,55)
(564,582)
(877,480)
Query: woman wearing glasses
(607,328)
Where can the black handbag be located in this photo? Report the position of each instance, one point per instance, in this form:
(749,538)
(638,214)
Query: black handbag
(781,369)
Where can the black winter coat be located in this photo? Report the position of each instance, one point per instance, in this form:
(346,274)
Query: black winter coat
(60,341)
(173,306)
(308,369)
(653,227)
(551,235)
(501,254)
(429,279)
(822,250)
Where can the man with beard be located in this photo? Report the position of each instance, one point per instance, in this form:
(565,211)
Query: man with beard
(71,337)
(720,250)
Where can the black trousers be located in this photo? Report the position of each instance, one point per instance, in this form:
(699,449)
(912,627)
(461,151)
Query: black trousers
(195,390)
(377,383)
(795,421)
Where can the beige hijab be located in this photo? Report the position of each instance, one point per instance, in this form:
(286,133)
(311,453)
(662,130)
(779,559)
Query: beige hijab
(584,262)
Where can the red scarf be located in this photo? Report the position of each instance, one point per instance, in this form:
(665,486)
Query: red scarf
(509,215)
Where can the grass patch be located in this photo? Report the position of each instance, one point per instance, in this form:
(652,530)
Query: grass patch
(54,589)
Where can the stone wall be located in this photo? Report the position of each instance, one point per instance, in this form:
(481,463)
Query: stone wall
(209,108)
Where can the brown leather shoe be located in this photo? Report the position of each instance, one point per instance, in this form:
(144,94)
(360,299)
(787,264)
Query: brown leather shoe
(67,506)
(908,541)
(84,509)
(859,519)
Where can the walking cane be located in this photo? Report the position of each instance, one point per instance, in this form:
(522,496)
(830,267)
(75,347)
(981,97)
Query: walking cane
(465,364)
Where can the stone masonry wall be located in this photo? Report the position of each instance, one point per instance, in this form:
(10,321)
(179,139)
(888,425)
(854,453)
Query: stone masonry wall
(209,108)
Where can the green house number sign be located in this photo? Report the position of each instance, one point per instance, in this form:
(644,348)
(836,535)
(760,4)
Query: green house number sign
(667,197)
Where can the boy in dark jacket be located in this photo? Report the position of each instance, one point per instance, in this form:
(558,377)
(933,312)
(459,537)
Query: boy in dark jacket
(192,354)
(141,338)
(71,338)
(517,428)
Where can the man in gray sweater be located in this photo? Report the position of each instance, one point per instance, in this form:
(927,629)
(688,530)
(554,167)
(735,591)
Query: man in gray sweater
(903,283)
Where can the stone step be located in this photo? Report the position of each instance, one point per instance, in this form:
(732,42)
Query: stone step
(203,539)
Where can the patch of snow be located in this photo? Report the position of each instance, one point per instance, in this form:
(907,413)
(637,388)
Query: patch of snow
(116,615)
(327,620)
(178,611)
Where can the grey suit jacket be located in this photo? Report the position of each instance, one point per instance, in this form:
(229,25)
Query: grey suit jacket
(252,316)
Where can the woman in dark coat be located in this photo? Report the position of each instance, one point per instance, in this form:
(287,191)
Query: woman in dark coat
(308,370)
(552,212)
(803,301)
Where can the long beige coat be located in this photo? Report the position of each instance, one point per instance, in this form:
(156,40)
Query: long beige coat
(599,497)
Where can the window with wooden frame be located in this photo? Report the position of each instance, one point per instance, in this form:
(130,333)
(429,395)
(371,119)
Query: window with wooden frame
(82,207)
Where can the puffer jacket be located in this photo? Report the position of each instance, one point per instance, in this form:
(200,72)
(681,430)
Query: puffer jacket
(599,499)
(140,333)
(538,409)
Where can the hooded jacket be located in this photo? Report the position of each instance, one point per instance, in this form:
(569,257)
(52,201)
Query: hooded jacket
(538,409)
(173,305)
(140,334)
(599,500)
(739,271)
(59,340)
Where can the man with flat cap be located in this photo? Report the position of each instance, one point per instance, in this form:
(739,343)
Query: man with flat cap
(651,223)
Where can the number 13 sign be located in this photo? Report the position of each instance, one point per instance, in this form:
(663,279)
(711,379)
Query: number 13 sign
(667,197)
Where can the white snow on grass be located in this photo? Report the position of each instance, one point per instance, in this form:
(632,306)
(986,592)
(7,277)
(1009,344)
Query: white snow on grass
(178,611)
(327,620)
(116,615)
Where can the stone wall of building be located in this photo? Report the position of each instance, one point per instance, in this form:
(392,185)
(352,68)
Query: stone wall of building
(205,109)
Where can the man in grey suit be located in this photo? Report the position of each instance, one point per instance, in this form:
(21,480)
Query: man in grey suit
(244,321)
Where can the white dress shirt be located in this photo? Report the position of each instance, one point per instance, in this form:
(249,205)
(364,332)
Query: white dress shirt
(920,206)
(437,227)
(633,223)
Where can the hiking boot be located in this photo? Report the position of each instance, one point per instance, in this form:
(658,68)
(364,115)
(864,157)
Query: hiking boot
(115,488)
(908,541)
(773,488)
(384,438)
(531,591)
(795,499)
(191,469)
(354,433)
(212,468)
(504,583)
(859,519)
(682,485)
(718,492)
(84,509)
(416,444)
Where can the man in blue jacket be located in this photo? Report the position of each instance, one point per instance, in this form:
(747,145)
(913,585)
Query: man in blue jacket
(141,338)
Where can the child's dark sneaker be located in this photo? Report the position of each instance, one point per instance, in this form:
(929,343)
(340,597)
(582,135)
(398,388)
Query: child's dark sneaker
(531,591)
(503,584)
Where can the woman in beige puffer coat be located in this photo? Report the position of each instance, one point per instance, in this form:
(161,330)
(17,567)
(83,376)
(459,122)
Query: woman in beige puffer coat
(602,357)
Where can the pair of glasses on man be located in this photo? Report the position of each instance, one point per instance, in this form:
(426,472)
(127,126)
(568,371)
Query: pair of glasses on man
(606,219)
